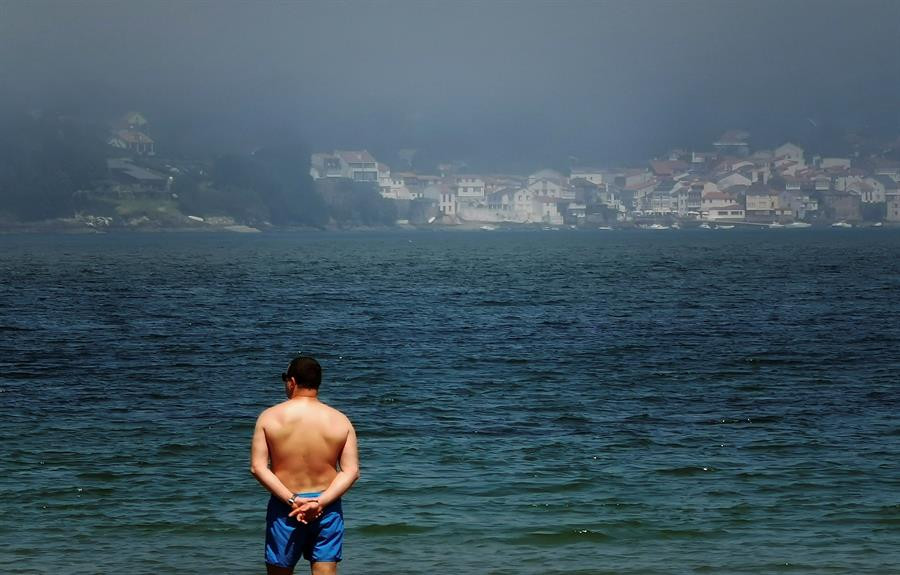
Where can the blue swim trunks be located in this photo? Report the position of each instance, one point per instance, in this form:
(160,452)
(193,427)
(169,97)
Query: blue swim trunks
(287,540)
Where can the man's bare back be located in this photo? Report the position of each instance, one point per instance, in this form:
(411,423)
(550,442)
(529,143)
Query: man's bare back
(305,453)
(305,440)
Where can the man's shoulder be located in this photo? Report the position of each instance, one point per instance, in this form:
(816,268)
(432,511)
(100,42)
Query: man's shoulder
(272,412)
(335,412)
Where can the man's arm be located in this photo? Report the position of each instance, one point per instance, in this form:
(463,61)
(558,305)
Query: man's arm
(259,464)
(345,478)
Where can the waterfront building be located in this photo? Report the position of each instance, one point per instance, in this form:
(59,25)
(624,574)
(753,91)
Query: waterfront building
(799,204)
(841,206)
(358,166)
(731,212)
(716,204)
(470,189)
(893,208)
(763,203)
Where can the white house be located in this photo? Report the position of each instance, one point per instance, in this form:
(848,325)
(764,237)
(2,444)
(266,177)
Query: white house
(732,212)
(395,188)
(733,179)
(547,210)
(549,175)
(789,151)
(893,209)
(842,183)
(884,186)
(359,166)
(762,201)
(715,201)
(664,198)
(689,198)
(520,205)
(593,175)
(887,167)
(551,188)
(469,188)
(826,163)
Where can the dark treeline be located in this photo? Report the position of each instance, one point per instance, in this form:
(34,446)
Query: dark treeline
(50,162)
(44,160)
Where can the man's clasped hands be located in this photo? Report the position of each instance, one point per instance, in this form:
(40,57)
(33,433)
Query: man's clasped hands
(306,509)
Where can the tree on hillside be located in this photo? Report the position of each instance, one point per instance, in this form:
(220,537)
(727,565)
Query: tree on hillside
(356,203)
(44,160)
(293,198)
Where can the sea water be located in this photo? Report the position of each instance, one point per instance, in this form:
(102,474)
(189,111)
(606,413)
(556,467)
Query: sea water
(526,402)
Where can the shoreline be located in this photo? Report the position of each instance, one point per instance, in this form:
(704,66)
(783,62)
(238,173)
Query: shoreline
(69,227)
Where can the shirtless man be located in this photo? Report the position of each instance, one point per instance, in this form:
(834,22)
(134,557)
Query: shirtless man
(305,454)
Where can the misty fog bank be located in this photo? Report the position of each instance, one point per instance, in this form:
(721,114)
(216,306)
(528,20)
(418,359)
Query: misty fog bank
(495,84)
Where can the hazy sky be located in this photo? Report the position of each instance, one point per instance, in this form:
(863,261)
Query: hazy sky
(489,79)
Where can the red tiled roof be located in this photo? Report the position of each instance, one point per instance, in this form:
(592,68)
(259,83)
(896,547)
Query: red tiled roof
(134,137)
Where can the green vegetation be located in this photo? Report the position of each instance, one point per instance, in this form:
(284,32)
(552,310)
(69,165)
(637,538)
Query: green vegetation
(52,166)
(44,160)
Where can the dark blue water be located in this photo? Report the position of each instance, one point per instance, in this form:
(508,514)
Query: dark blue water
(620,402)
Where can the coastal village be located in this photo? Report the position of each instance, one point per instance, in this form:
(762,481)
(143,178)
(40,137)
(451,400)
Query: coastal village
(727,185)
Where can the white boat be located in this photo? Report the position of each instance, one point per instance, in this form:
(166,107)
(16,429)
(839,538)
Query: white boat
(488,228)
(877,225)
(431,219)
(798,225)
(676,226)
(775,225)
(705,226)
(724,227)
(606,228)
(841,225)
(657,227)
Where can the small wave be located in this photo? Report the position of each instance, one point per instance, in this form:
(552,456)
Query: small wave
(572,418)
(14,328)
(774,447)
(386,529)
(175,448)
(751,387)
(762,360)
(99,476)
(743,420)
(497,303)
(154,336)
(560,537)
(684,533)
(642,418)
(23,375)
(686,471)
